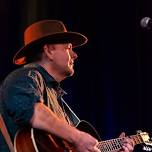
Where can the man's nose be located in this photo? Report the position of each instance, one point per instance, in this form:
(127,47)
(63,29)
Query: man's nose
(74,55)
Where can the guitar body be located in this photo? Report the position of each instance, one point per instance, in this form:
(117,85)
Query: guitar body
(34,140)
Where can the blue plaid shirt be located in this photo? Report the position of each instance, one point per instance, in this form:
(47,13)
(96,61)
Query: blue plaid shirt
(19,92)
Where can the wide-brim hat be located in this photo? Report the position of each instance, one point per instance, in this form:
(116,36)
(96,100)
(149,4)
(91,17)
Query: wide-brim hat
(46,31)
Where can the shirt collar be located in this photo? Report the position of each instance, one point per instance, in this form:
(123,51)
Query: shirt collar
(49,80)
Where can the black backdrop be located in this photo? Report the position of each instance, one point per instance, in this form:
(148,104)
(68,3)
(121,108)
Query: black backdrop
(112,85)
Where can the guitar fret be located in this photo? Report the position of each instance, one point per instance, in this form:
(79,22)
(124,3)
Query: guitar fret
(140,140)
(137,139)
(110,144)
(117,144)
(106,146)
(121,141)
(114,144)
(99,146)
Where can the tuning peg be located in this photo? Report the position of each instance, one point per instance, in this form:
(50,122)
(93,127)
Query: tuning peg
(146,148)
(139,131)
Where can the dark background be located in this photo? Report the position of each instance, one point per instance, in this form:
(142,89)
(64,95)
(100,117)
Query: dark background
(112,85)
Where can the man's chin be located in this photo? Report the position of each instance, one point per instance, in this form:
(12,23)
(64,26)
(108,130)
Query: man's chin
(70,73)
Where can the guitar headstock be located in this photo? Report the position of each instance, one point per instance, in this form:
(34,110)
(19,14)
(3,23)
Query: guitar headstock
(145,139)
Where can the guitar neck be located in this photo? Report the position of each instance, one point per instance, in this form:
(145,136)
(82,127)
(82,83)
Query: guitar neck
(116,144)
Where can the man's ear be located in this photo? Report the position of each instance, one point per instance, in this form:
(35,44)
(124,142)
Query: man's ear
(48,51)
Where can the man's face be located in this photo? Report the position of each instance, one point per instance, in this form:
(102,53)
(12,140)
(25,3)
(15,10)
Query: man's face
(63,58)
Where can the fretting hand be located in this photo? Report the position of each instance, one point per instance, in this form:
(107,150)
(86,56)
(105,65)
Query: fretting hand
(128,144)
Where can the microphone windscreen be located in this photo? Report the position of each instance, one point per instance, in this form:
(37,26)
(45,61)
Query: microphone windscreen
(144,22)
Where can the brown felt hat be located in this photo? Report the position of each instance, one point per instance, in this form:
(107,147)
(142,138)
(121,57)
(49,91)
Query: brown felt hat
(46,31)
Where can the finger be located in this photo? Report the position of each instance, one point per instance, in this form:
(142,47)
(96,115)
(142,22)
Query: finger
(125,149)
(97,150)
(96,143)
(129,141)
(95,147)
(129,146)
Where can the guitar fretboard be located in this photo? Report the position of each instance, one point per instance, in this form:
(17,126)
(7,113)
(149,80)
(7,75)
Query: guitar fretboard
(116,144)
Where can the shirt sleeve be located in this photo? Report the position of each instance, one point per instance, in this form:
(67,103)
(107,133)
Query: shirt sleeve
(21,91)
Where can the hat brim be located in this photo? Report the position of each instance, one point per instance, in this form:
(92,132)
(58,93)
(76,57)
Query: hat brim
(76,39)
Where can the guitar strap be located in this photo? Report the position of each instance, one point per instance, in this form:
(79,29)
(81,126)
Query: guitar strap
(6,134)
(73,117)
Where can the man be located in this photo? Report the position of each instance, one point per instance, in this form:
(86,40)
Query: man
(31,95)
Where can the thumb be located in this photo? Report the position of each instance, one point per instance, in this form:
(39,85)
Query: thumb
(122,135)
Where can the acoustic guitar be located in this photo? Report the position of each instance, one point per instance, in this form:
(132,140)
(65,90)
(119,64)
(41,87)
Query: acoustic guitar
(34,140)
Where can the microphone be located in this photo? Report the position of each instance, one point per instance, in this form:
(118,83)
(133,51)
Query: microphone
(146,23)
